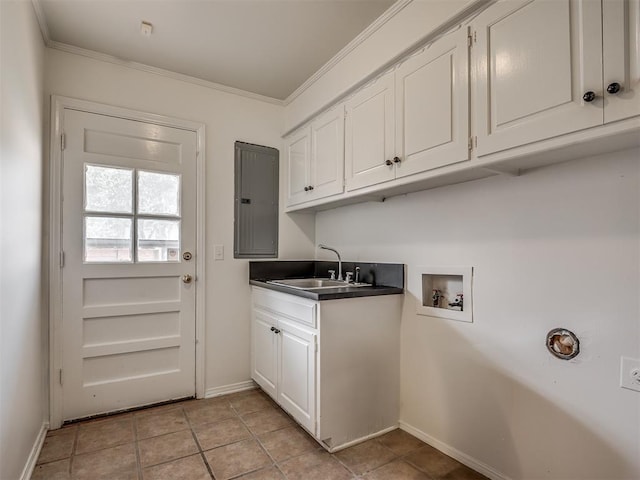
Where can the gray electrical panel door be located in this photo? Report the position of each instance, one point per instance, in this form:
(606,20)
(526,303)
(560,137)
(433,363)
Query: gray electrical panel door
(256,201)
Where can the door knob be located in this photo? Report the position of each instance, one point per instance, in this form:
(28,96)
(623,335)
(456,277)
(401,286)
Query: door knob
(613,88)
(187,278)
(589,96)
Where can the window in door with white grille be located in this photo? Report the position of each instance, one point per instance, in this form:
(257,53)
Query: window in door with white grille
(127,220)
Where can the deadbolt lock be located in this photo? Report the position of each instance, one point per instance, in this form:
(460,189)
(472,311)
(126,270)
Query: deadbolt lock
(186,256)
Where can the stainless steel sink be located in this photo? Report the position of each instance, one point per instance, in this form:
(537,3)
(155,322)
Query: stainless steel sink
(315,283)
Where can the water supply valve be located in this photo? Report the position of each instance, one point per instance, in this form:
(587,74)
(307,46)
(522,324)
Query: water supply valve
(458,302)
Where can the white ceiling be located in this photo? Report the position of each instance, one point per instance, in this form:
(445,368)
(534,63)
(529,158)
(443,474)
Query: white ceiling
(267,47)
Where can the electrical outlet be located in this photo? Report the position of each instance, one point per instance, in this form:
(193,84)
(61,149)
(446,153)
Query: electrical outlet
(630,373)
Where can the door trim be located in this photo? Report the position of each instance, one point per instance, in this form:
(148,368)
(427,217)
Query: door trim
(58,105)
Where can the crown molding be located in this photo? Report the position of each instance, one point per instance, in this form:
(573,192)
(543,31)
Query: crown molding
(42,21)
(391,12)
(162,72)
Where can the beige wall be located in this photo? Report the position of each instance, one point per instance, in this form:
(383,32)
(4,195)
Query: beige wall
(23,397)
(556,247)
(227,118)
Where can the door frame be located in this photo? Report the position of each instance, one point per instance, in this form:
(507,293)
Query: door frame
(58,105)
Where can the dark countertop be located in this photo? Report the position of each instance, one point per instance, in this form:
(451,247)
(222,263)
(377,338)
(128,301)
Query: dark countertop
(386,278)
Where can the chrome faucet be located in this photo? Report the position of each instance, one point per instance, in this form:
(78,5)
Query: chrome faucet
(324,247)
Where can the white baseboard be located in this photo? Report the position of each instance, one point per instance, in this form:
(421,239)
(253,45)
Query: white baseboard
(467,460)
(27,471)
(225,389)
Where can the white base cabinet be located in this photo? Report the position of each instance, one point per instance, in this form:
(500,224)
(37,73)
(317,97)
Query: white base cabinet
(333,365)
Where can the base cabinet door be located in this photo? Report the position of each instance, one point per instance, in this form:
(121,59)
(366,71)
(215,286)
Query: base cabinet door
(539,71)
(264,366)
(297,373)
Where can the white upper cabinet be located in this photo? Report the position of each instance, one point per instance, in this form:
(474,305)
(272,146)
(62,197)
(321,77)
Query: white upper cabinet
(369,135)
(432,106)
(522,79)
(327,154)
(621,58)
(538,67)
(316,158)
(298,151)
(413,119)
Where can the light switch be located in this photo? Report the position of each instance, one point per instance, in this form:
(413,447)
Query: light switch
(630,373)
(218,252)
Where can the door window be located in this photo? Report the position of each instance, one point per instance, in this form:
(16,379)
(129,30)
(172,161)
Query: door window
(112,219)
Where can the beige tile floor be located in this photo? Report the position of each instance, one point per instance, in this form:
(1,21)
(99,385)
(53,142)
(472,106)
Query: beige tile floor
(242,435)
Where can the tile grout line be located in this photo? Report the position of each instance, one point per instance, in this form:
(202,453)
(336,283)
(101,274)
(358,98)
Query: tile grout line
(136,446)
(73,450)
(200,450)
(255,438)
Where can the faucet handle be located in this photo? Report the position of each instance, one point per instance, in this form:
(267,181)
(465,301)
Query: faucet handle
(333,274)
(349,276)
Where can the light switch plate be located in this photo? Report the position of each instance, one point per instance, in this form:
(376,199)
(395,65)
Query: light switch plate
(630,373)
(218,252)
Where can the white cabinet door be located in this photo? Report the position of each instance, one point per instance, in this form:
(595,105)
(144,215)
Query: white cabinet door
(264,367)
(621,58)
(327,154)
(534,61)
(432,106)
(369,135)
(298,151)
(297,373)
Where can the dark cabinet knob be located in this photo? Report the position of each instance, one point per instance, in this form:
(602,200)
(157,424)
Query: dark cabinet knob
(276,331)
(310,187)
(273,329)
(396,160)
(388,163)
(589,96)
(306,189)
(613,88)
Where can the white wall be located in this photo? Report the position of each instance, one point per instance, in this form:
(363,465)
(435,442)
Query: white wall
(23,398)
(228,118)
(408,26)
(556,247)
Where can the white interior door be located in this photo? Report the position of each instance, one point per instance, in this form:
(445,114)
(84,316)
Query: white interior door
(129,238)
